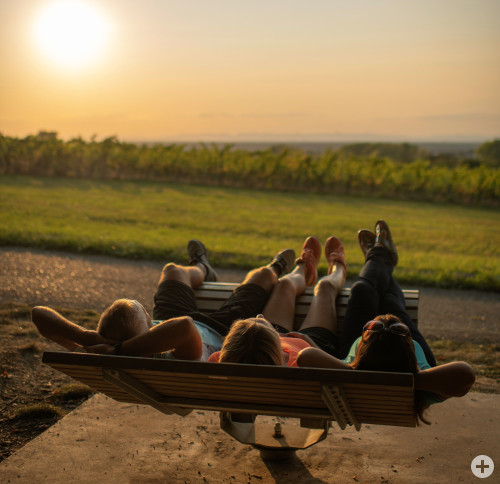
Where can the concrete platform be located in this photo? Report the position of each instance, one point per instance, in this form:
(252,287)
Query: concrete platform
(105,441)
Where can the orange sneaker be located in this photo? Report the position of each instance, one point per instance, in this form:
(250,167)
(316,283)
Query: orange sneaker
(334,253)
(311,252)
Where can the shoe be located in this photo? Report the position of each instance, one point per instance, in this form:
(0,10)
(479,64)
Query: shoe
(384,238)
(283,262)
(334,253)
(197,254)
(311,252)
(366,239)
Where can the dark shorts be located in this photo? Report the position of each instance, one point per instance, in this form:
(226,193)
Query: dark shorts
(322,337)
(174,299)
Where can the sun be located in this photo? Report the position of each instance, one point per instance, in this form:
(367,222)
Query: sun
(71,33)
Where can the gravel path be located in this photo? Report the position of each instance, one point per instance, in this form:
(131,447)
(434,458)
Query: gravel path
(37,277)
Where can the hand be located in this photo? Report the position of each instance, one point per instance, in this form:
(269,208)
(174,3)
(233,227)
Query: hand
(102,349)
(92,338)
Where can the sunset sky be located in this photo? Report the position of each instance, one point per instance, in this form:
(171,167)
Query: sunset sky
(273,70)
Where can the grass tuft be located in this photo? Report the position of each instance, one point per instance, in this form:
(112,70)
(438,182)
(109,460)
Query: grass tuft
(14,311)
(73,391)
(30,348)
(38,411)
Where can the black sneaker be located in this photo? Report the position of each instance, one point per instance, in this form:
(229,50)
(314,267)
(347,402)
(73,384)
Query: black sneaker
(197,253)
(284,262)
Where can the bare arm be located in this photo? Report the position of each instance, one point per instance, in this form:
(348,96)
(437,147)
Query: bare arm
(296,334)
(316,358)
(57,328)
(178,334)
(449,380)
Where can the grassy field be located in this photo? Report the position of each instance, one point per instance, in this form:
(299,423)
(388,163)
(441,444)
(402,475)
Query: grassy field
(439,245)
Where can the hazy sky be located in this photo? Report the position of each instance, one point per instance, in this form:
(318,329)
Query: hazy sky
(225,70)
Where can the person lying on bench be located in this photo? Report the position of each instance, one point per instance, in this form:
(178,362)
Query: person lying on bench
(125,328)
(269,339)
(378,334)
(369,340)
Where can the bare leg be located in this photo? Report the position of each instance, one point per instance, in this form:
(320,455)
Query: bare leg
(280,309)
(192,276)
(322,311)
(265,277)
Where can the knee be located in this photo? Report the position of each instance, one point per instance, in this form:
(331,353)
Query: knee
(325,287)
(285,284)
(264,277)
(361,289)
(171,271)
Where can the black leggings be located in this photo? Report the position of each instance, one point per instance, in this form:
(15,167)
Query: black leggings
(376,292)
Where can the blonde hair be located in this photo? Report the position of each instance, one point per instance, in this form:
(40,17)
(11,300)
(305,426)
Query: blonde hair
(251,342)
(122,320)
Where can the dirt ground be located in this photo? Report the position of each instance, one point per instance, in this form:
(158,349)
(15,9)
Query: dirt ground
(28,386)
(84,285)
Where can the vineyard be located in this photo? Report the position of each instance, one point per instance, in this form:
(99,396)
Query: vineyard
(277,168)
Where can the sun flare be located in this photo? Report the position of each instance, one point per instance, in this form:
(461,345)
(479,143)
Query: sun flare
(71,33)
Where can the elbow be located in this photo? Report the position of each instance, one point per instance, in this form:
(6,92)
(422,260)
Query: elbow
(304,357)
(188,325)
(191,346)
(36,312)
(38,316)
(468,378)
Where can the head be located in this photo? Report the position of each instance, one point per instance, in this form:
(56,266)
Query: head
(386,345)
(124,319)
(252,341)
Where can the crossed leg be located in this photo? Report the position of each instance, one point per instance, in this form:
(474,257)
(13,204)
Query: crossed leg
(280,308)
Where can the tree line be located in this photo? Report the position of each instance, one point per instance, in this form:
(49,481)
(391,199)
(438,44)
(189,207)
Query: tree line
(341,171)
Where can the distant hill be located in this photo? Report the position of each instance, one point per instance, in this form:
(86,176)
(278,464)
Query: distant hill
(461,150)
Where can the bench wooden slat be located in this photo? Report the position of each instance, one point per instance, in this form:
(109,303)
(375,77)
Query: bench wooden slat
(182,368)
(211,295)
(266,390)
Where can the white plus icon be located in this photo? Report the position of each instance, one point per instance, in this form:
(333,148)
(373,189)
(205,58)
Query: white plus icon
(482,466)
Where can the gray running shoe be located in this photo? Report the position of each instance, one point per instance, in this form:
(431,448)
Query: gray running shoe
(197,253)
(284,262)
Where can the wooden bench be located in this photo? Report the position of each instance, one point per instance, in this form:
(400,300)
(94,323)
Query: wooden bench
(310,396)
(316,396)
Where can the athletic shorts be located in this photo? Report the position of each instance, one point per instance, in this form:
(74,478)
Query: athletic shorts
(322,337)
(174,299)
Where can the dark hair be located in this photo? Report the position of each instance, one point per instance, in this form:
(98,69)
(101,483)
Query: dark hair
(386,351)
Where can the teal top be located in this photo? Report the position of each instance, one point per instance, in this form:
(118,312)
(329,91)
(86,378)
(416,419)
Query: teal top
(421,362)
(211,340)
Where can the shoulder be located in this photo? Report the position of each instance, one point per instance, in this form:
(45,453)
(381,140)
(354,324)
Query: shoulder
(214,357)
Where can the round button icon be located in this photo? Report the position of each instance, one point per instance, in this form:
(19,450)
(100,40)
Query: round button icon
(482,466)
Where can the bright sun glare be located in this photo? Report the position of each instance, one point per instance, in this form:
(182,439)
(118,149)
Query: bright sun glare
(71,33)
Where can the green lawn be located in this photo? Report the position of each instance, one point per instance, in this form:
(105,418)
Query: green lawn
(444,245)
